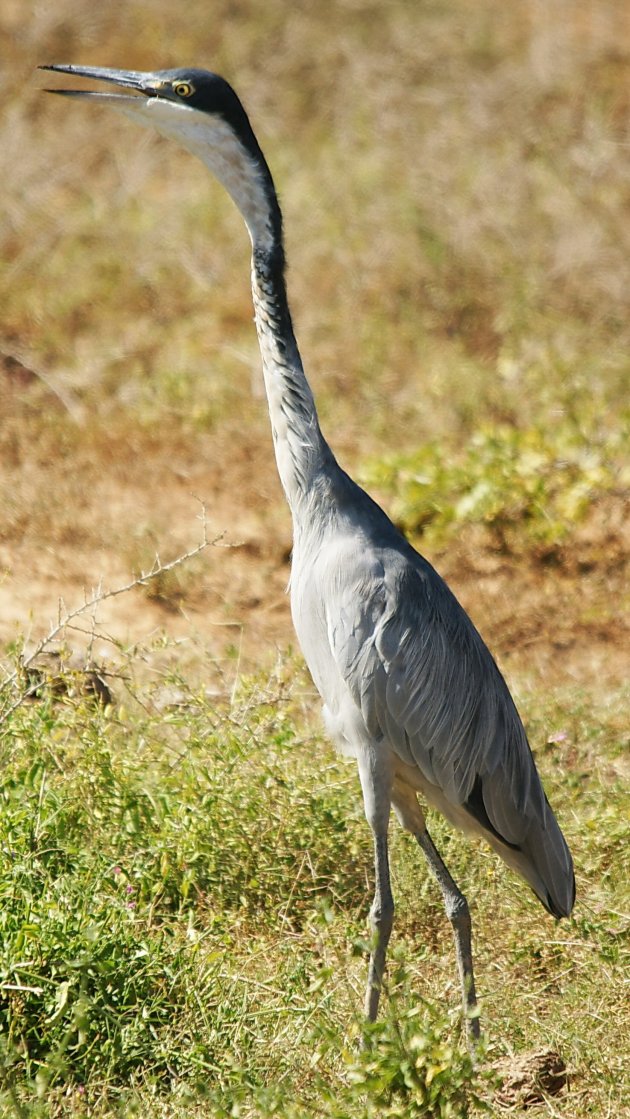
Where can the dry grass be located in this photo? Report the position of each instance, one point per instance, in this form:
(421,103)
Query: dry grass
(457,212)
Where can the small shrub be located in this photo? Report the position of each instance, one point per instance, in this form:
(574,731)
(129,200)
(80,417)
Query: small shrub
(527,487)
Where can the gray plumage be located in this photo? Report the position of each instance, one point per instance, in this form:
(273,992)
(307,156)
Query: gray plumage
(408,686)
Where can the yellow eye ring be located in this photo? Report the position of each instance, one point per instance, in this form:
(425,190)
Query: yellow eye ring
(183,89)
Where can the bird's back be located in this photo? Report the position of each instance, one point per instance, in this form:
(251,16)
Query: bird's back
(400,666)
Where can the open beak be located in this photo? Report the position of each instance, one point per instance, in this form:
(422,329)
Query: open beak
(148,85)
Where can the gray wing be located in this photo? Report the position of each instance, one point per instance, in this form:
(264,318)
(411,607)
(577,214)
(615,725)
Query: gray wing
(423,678)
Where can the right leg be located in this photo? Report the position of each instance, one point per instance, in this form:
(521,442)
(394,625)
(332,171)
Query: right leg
(375,775)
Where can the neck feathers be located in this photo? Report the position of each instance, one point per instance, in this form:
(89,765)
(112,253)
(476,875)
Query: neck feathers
(235,158)
(301,451)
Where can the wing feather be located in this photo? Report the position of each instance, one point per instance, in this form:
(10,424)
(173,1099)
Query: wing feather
(424,679)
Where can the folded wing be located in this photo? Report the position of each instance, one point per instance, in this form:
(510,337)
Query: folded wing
(425,681)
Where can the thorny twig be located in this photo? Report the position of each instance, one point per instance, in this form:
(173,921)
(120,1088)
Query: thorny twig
(65,618)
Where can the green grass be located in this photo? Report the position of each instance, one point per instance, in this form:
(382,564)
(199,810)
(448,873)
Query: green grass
(183,896)
(529,487)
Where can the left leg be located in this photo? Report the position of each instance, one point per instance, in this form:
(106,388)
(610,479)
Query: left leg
(410,814)
(458,914)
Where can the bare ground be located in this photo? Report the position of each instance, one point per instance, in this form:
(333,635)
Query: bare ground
(98,512)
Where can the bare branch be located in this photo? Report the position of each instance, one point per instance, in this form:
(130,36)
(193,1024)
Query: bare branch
(65,618)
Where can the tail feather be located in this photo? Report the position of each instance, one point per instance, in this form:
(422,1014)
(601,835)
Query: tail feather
(519,822)
(548,851)
(543,859)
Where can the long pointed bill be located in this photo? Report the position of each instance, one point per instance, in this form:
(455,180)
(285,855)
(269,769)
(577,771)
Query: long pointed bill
(141,83)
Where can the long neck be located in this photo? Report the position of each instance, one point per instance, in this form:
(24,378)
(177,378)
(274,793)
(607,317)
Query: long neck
(302,453)
(235,158)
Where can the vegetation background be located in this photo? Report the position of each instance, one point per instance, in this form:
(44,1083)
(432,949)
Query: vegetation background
(182,890)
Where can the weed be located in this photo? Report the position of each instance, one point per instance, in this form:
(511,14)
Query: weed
(529,488)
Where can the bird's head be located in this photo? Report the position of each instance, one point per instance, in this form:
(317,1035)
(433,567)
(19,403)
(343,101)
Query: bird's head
(202,112)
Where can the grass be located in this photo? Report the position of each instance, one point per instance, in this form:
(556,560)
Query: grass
(530,488)
(185,873)
(183,910)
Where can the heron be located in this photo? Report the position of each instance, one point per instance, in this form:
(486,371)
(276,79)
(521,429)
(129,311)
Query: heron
(409,689)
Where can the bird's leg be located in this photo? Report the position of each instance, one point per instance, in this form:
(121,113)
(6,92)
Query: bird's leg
(376,783)
(381,921)
(458,914)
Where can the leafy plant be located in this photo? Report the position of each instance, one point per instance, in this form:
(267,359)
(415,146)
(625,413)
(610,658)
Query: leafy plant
(527,487)
(412,1063)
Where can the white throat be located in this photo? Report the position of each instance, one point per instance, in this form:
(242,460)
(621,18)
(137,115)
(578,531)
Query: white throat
(212,140)
(301,451)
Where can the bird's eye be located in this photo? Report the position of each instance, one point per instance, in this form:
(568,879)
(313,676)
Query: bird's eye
(183,89)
